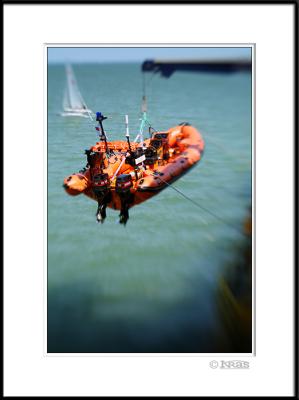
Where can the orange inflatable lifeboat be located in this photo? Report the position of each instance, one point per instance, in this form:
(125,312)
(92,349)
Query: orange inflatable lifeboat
(121,174)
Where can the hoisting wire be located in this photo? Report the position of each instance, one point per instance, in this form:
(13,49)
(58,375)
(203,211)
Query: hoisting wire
(144,119)
(143,85)
(200,206)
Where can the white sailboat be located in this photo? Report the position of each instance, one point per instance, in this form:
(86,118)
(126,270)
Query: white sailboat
(73,103)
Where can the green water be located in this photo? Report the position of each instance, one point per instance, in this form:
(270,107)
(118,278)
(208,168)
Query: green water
(149,286)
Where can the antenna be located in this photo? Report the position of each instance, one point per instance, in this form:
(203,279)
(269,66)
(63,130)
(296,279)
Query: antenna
(100,118)
(127,132)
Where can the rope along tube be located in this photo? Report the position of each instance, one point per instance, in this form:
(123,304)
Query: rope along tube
(200,206)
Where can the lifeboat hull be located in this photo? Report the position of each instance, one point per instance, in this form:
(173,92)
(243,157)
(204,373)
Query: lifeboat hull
(185,148)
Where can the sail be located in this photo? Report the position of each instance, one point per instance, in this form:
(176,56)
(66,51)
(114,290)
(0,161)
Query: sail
(73,98)
(66,103)
(73,103)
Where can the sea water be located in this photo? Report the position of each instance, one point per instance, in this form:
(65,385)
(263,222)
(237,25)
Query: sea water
(149,286)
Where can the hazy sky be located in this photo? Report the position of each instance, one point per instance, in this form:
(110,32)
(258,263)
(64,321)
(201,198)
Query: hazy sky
(130,54)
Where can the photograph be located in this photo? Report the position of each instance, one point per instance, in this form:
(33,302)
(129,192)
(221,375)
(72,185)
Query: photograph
(155,251)
(150,199)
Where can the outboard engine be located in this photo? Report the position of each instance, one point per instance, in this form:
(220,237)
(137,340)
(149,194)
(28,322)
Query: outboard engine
(100,184)
(101,189)
(123,185)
